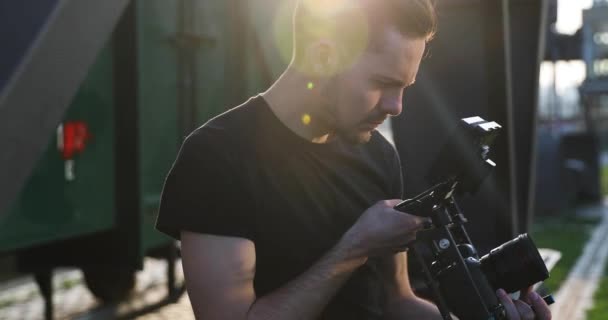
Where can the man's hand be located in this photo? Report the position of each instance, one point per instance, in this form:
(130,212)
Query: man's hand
(383,230)
(529,306)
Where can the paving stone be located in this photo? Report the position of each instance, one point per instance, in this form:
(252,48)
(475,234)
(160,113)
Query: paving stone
(20,299)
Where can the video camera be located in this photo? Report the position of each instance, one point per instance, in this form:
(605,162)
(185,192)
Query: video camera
(461,281)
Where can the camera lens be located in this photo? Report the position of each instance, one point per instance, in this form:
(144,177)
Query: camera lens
(514,265)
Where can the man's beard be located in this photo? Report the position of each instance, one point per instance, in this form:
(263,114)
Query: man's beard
(354,136)
(353,133)
(348,133)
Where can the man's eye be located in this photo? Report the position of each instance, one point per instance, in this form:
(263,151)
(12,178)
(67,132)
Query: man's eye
(383,84)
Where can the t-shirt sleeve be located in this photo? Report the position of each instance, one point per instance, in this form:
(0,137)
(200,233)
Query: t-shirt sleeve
(202,192)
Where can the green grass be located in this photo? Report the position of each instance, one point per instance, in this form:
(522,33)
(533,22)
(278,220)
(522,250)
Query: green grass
(604,180)
(600,303)
(600,307)
(7,302)
(567,234)
(600,299)
(69,283)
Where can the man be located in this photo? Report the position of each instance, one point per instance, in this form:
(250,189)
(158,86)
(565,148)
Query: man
(281,203)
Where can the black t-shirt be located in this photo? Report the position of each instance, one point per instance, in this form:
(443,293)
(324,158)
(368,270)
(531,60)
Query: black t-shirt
(245,174)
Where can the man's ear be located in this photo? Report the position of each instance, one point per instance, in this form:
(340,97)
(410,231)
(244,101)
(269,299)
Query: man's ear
(322,58)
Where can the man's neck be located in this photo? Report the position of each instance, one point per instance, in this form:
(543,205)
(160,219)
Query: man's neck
(294,100)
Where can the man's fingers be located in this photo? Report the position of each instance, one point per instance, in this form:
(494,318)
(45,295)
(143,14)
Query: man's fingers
(510,307)
(417,223)
(540,307)
(519,310)
(524,294)
(409,222)
(524,310)
(391,203)
(421,222)
(405,245)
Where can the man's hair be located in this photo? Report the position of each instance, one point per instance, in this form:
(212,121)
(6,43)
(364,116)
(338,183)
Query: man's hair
(358,24)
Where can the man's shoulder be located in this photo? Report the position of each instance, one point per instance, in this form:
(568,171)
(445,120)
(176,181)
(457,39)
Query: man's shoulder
(228,127)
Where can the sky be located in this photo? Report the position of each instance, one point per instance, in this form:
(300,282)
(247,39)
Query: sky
(569,14)
(570,74)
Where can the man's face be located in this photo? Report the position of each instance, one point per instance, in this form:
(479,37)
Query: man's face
(370,91)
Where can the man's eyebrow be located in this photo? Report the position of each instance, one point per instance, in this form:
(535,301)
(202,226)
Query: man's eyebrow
(394,81)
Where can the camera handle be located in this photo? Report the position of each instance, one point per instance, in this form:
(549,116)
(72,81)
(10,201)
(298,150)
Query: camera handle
(439,204)
(432,284)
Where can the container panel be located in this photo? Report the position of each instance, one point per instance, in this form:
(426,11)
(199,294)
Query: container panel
(50,207)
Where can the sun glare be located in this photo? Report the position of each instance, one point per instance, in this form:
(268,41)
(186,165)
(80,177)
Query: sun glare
(306,119)
(326,8)
(282,29)
(321,22)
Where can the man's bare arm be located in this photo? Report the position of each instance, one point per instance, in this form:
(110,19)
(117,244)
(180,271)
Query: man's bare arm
(220,270)
(402,302)
(219,274)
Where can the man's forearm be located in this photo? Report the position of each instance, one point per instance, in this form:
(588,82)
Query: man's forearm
(306,296)
(412,308)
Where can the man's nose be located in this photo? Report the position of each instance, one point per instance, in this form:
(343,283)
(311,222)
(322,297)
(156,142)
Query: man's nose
(392,106)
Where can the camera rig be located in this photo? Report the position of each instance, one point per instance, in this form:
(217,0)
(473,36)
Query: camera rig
(460,281)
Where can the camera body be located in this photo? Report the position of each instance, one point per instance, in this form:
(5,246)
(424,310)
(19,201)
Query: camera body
(462,282)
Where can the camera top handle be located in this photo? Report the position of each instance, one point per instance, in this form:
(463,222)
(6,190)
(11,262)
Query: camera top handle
(448,228)
(461,166)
